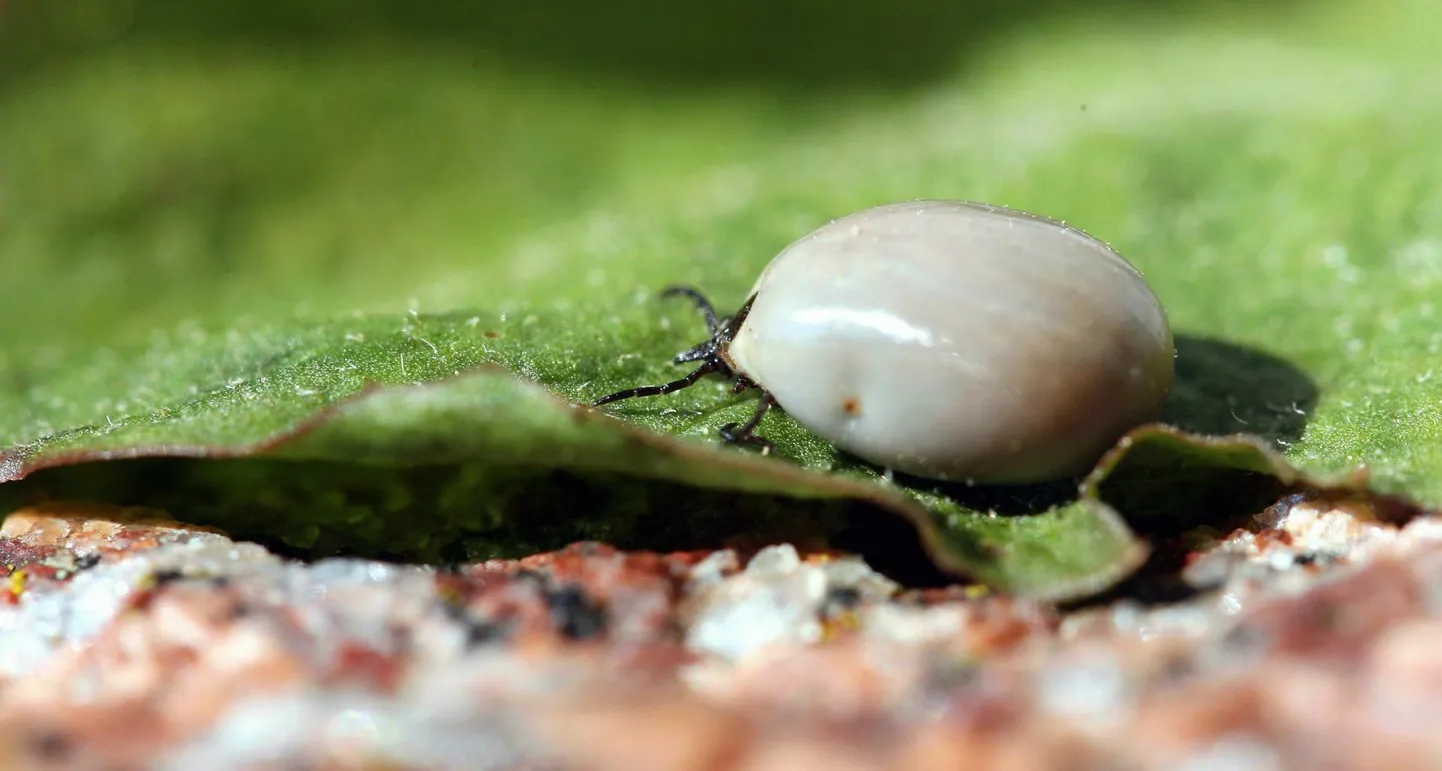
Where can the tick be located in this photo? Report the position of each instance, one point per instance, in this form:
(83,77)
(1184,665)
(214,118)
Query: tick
(944,339)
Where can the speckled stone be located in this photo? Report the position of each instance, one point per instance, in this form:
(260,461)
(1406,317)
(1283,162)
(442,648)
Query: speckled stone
(130,641)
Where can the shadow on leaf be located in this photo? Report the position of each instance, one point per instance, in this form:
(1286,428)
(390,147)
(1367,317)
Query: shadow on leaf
(1250,402)
(1224,388)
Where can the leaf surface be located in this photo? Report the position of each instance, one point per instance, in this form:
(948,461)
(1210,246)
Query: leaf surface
(373,283)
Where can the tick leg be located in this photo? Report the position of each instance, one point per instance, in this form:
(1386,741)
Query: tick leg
(657,390)
(747,434)
(699,353)
(742,383)
(701,303)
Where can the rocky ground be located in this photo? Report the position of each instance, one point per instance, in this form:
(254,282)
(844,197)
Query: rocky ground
(1307,640)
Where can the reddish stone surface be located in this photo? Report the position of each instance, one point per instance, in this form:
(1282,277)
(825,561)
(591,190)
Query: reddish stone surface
(128,641)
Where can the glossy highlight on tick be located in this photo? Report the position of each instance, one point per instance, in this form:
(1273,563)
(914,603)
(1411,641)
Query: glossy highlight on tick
(944,339)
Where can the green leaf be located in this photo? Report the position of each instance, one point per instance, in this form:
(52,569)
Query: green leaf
(334,460)
(212,250)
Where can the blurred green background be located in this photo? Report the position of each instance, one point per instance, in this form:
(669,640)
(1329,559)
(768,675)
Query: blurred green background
(165,159)
(1271,166)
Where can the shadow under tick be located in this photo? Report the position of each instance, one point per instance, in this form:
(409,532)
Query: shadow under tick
(1224,388)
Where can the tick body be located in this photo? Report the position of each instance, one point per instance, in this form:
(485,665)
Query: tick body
(949,340)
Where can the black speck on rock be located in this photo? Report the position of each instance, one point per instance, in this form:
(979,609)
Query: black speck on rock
(575,613)
(167,575)
(840,599)
(51,746)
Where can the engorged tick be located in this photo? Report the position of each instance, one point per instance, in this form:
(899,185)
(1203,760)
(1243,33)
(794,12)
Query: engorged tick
(986,344)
